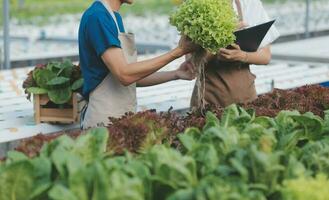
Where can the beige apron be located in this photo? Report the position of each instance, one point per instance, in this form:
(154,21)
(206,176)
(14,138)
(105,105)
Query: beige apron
(227,82)
(111,98)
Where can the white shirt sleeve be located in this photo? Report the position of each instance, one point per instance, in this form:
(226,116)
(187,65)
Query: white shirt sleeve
(255,14)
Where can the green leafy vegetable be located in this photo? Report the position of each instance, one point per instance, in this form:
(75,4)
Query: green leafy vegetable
(235,156)
(305,188)
(77,84)
(60,96)
(57,80)
(37,90)
(42,77)
(59,192)
(209,23)
(172,170)
(14,156)
(91,146)
(16,181)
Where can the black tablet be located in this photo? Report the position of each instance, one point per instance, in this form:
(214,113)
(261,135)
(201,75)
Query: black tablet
(249,39)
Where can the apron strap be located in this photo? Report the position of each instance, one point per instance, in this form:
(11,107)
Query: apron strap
(239,8)
(82,115)
(109,9)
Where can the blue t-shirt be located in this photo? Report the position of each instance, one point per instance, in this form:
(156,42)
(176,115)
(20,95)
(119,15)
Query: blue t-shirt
(97,33)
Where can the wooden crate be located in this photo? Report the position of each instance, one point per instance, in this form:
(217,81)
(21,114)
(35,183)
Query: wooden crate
(55,115)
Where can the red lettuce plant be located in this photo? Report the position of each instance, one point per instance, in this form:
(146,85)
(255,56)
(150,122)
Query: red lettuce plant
(137,132)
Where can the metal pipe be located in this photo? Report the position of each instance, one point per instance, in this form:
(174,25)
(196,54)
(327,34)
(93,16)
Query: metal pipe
(1,61)
(6,36)
(307,19)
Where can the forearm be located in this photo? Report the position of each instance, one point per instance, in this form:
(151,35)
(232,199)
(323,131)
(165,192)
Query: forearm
(130,73)
(142,69)
(157,78)
(260,57)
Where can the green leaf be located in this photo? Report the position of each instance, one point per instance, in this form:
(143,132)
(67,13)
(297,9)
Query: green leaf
(256,131)
(54,66)
(294,167)
(59,152)
(244,118)
(42,76)
(37,90)
(67,69)
(224,140)
(209,23)
(212,187)
(63,69)
(59,192)
(284,120)
(40,191)
(190,138)
(77,84)
(60,96)
(92,145)
(17,181)
(326,122)
(184,194)
(64,142)
(171,169)
(58,82)
(211,121)
(101,182)
(79,178)
(240,168)
(305,188)
(229,115)
(60,157)
(211,117)
(315,157)
(119,181)
(42,169)
(312,125)
(206,158)
(265,122)
(14,156)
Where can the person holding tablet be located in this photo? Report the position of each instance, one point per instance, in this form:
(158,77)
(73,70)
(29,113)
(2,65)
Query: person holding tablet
(228,78)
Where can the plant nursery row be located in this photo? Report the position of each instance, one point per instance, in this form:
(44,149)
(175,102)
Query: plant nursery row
(276,147)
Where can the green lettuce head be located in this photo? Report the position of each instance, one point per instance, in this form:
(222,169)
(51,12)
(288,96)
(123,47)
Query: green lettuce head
(209,23)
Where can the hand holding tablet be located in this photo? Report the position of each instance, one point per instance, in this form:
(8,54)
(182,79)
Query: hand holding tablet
(249,39)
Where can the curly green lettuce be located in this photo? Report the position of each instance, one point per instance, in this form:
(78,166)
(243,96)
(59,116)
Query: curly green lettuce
(209,23)
(306,188)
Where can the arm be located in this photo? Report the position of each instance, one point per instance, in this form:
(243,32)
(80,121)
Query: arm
(129,73)
(184,72)
(157,78)
(261,57)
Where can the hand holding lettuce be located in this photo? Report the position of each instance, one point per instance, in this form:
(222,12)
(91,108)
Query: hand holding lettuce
(209,23)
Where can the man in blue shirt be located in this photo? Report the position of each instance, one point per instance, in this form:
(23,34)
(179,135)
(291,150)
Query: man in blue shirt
(109,65)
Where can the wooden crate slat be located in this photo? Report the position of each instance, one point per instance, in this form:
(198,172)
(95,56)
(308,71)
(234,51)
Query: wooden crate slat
(57,113)
(66,115)
(57,119)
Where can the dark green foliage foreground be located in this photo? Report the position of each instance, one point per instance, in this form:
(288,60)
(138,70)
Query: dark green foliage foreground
(240,157)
